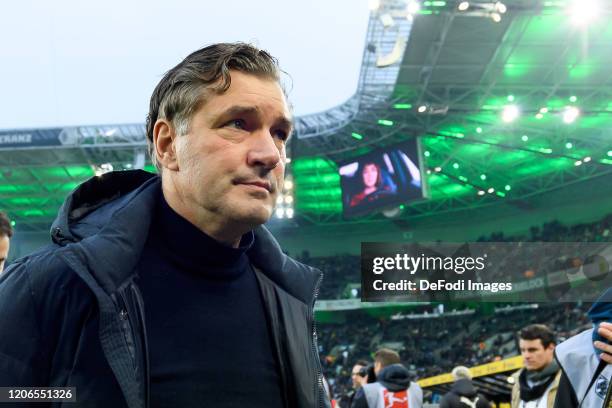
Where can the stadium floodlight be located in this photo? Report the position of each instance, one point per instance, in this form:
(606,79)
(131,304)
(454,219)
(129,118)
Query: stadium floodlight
(496,17)
(507,187)
(483,177)
(539,116)
(422,108)
(544,110)
(279,199)
(524,138)
(463,6)
(569,145)
(280,212)
(510,98)
(413,7)
(573,98)
(374,5)
(288,184)
(288,160)
(577,162)
(478,130)
(13,223)
(289,199)
(501,7)
(289,212)
(570,114)
(438,169)
(583,12)
(491,190)
(481,192)
(510,113)
(609,153)
(455,166)
(586,159)
(427,153)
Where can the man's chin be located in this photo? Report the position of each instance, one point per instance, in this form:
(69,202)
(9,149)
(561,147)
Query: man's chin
(254,216)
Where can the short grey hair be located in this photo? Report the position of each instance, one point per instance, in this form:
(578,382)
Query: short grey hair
(461,373)
(183,89)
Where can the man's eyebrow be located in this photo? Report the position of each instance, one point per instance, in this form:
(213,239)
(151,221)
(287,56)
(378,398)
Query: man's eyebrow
(237,110)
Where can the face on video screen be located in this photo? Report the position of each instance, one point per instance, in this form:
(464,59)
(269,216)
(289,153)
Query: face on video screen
(381,179)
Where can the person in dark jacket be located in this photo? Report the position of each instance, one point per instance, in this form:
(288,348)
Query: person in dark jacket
(463,394)
(166,291)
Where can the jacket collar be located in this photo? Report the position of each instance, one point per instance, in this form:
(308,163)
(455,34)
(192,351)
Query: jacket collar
(106,221)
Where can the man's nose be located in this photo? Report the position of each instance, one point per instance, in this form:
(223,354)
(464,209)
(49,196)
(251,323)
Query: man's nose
(263,151)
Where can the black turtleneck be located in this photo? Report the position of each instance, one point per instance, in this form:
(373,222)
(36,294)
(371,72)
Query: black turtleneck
(208,338)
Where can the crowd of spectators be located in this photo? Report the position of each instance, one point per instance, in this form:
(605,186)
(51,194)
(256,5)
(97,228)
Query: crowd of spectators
(435,344)
(342,272)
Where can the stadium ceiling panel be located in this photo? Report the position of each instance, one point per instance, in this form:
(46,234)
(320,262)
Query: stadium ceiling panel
(507,105)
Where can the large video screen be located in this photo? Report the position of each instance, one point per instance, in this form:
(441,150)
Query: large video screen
(382,179)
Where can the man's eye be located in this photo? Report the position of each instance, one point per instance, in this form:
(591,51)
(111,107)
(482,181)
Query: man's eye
(237,123)
(281,134)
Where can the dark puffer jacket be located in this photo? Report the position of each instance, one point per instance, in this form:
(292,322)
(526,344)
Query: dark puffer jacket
(72,315)
(463,389)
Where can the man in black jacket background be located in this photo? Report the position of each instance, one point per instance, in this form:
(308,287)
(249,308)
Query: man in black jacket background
(167,291)
(463,394)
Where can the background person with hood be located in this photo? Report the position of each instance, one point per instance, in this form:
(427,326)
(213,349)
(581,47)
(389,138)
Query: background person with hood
(535,385)
(393,388)
(462,393)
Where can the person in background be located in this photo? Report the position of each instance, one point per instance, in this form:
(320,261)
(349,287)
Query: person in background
(393,388)
(359,377)
(6,232)
(535,385)
(586,361)
(463,394)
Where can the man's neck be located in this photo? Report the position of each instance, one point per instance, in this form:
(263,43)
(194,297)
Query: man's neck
(225,232)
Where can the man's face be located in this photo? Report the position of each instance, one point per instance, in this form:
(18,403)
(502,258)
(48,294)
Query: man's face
(358,380)
(230,166)
(4,249)
(370,175)
(535,356)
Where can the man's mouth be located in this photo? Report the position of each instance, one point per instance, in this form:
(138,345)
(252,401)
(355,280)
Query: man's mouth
(262,184)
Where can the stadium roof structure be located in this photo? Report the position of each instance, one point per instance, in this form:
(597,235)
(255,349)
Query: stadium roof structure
(461,78)
(508,101)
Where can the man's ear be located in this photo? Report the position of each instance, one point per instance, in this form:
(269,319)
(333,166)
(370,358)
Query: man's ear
(163,140)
